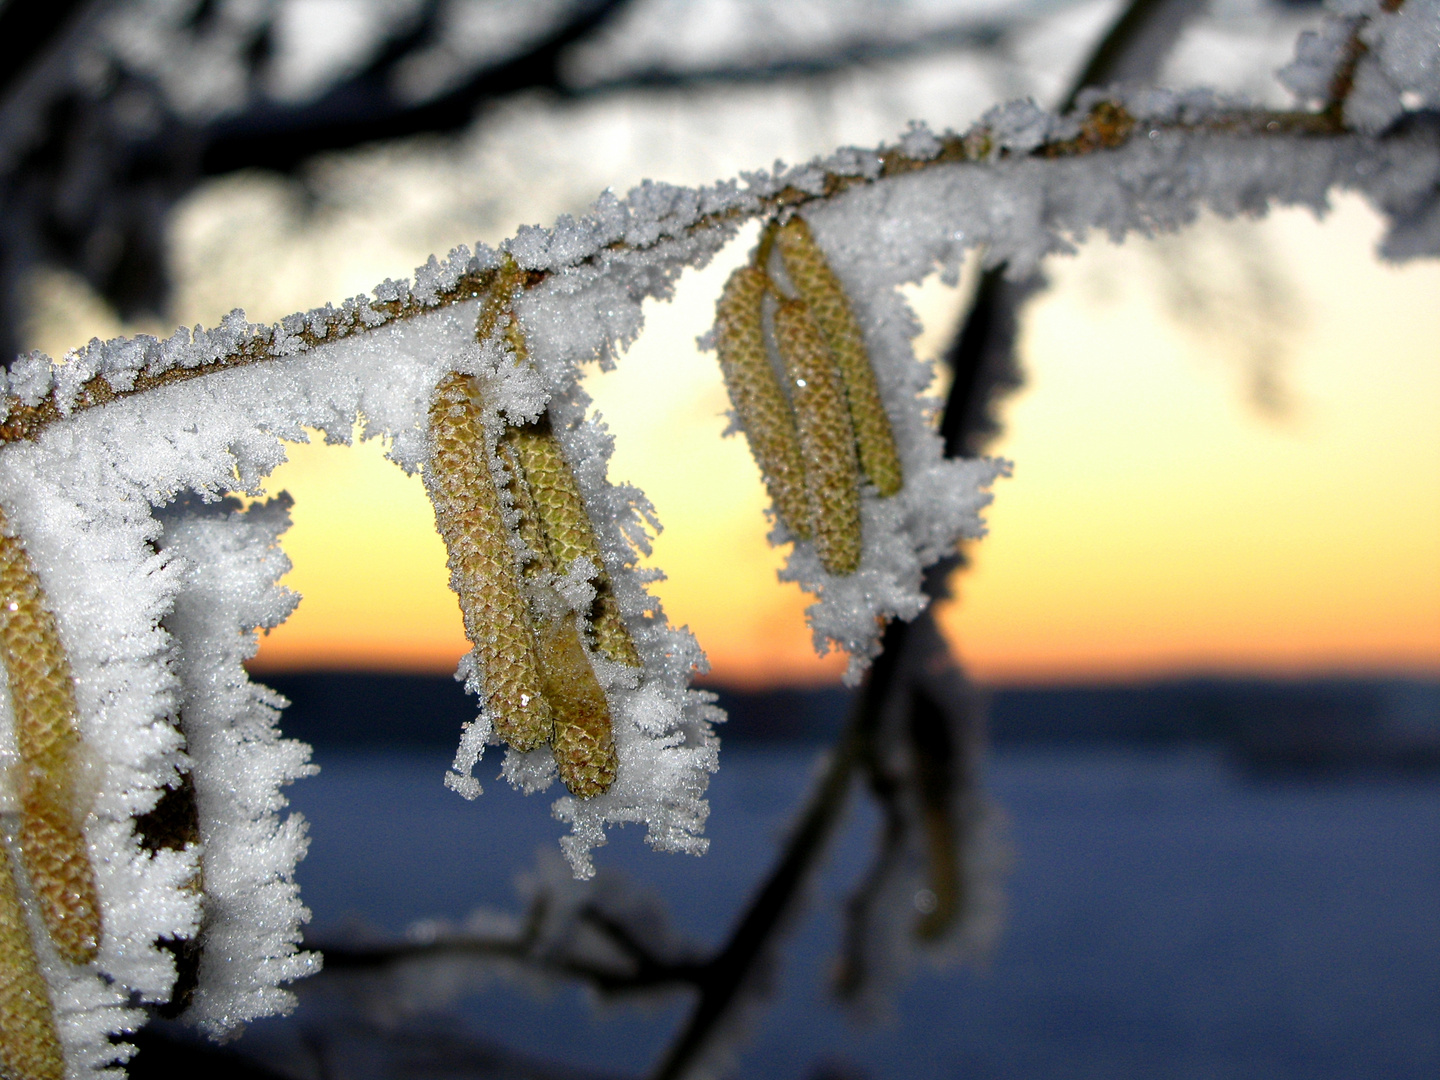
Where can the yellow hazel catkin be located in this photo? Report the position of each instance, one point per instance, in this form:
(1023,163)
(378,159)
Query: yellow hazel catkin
(568,533)
(523,503)
(469,518)
(827,440)
(553,483)
(29,1046)
(583,743)
(756,396)
(42,698)
(820,289)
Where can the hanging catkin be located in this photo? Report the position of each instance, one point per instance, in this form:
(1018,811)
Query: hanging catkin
(42,698)
(482,565)
(818,287)
(568,532)
(583,742)
(29,1046)
(757,398)
(552,483)
(827,440)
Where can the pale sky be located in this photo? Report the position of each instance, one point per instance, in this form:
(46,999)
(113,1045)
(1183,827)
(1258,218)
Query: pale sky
(1157,521)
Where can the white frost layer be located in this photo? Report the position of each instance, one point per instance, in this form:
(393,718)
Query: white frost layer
(663,730)
(1398,72)
(252,910)
(603,266)
(90,542)
(81,495)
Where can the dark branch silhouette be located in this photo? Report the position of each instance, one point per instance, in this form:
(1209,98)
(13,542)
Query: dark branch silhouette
(365,108)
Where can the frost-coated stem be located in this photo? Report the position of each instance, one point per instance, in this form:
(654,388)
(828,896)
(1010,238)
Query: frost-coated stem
(147,366)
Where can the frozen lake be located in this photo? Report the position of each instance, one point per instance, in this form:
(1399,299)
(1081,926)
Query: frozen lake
(1168,917)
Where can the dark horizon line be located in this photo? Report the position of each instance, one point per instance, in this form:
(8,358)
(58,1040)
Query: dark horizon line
(1179,674)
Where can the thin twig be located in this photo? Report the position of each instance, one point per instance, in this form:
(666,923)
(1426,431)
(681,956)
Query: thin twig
(734,966)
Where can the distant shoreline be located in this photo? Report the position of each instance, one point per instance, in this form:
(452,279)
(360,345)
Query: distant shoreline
(1318,723)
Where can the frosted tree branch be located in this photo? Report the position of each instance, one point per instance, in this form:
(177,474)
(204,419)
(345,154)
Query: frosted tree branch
(42,391)
(128,645)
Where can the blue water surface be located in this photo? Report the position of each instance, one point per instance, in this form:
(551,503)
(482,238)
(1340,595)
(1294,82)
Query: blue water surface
(1167,917)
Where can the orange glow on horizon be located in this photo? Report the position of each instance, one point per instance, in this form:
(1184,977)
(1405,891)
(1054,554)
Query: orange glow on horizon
(1154,524)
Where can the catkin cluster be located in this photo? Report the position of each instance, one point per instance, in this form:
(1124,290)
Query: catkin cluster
(819,429)
(52,848)
(537,677)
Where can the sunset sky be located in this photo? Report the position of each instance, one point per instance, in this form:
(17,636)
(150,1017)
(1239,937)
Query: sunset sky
(1157,520)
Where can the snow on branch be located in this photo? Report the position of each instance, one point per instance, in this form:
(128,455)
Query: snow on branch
(134,589)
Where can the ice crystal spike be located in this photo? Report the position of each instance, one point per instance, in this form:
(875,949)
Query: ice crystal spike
(29,1046)
(820,289)
(469,517)
(42,695)
(584,742)
(757,398)
(827,439)
(568,533)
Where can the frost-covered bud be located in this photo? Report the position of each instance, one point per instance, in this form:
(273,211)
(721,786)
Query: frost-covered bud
(759,402)
(827,438)
(817,285)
